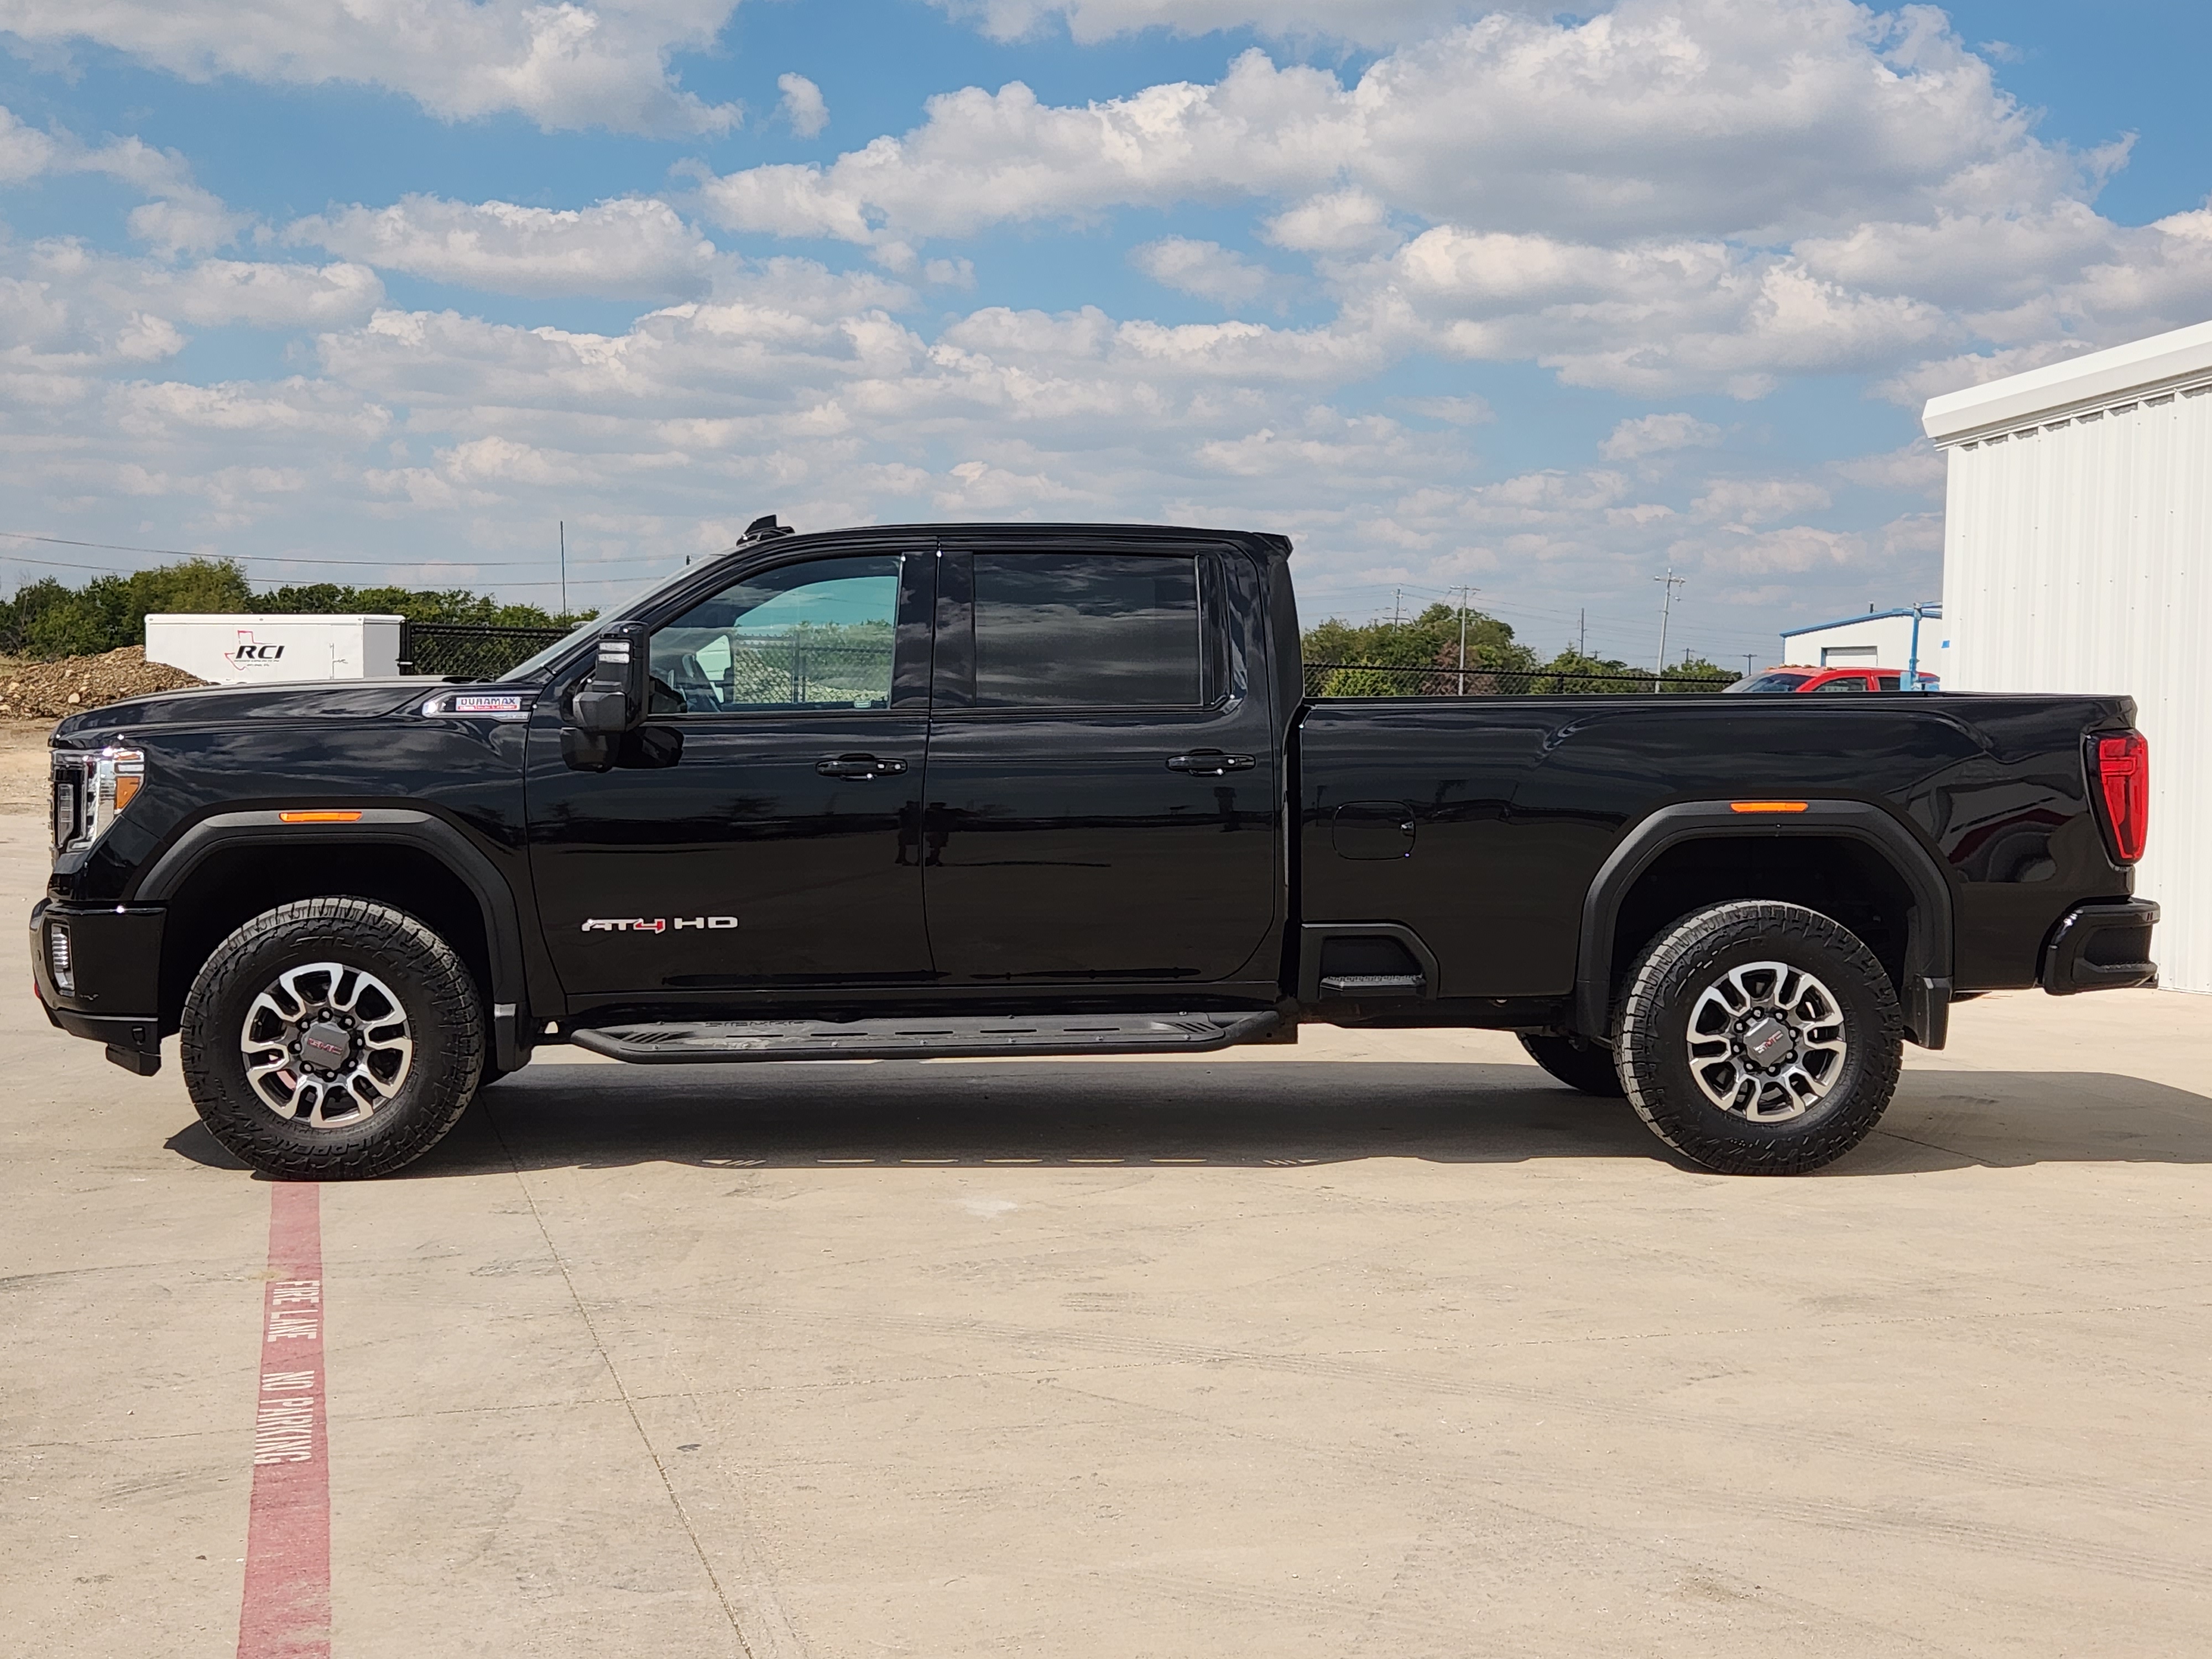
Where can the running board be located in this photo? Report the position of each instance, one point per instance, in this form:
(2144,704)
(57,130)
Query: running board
(706,1043)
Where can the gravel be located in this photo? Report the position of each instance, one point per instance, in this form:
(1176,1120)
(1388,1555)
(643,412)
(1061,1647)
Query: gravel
(48,691)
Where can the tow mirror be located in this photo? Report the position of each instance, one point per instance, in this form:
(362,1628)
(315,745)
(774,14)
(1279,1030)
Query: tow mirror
(611,702)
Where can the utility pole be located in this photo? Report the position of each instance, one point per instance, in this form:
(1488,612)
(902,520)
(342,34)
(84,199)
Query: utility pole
(1670,581)
(1581,632)
(1746,665)
(1398,607)
(564,566)
(1465,595)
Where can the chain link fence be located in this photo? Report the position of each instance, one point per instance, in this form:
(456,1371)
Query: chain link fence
(468,651)
(473,652)
(1360,679)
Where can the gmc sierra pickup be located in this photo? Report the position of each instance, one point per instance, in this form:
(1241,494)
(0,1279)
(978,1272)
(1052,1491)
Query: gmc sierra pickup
(988,790)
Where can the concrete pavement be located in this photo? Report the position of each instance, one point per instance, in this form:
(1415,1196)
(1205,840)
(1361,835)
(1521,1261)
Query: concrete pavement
(1384,1345)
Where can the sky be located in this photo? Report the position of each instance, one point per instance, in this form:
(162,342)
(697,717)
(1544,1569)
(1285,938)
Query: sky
(1534,304)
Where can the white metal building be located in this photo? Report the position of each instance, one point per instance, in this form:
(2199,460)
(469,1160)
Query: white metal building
(2077,557)
(237,650)
(1881,639)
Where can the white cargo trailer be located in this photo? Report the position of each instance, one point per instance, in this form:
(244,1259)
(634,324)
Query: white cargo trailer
(236,650)
(2077,557)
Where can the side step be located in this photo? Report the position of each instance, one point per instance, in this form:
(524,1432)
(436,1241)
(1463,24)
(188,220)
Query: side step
(705,1043)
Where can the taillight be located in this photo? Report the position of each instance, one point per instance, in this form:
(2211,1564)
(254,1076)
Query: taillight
(2121,763)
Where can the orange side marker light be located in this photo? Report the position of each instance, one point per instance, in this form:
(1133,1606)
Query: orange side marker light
(319,817)
(1767,805)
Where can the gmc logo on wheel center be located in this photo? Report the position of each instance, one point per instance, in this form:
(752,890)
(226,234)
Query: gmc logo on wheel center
(657,925)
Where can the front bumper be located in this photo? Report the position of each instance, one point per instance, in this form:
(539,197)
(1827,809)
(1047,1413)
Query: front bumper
(2101,947)
(114,994)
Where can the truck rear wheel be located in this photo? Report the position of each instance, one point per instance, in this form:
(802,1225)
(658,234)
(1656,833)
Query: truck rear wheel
(1759,1039)
(332,1038)
(1576,1061)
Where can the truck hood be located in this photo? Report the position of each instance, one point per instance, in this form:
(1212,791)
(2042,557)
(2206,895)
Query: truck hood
(228,705)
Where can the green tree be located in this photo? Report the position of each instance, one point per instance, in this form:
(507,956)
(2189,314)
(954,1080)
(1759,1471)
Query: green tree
(1694,674)
(1429,641)
(1574,674)
(452,605)
(47,618)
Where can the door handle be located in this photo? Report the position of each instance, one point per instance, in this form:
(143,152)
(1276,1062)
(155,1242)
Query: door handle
(1209,763)
(859,766)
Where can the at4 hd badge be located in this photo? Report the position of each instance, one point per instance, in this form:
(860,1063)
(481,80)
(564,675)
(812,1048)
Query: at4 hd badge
(657,924)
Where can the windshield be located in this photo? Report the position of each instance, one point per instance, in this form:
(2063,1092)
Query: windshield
(531,668)
(1770,681)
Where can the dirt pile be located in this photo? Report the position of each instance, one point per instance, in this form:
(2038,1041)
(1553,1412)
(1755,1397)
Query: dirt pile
(48,691)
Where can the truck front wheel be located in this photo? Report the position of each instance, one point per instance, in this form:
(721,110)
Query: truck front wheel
(331,1038)
(1759,1039)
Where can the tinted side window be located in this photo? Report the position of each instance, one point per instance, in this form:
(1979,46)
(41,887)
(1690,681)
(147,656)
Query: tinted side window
(1057,630)
(1849,682)
(818,634)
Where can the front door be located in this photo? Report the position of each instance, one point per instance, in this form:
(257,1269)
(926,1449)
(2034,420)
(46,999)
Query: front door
(1104,780)
(762,831)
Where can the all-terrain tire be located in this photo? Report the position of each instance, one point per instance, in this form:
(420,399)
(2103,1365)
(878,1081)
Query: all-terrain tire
(1671,980)
(444,1022)
(1576,1061)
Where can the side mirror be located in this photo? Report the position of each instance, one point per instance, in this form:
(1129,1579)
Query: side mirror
(614,699)
(611,702)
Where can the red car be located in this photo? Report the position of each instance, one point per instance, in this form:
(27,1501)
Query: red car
(1829,679)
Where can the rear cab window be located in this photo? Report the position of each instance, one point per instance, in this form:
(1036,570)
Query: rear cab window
(1089,630)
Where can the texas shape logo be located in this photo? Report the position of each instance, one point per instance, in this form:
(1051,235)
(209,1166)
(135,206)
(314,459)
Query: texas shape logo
(247,651)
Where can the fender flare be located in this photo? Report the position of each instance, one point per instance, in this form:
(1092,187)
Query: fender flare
(1925,995)
(383,826)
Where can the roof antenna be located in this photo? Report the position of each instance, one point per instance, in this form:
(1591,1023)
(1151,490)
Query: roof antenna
(764,529)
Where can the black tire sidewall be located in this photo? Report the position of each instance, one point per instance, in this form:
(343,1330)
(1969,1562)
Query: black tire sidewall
(432,987)
(1696,953)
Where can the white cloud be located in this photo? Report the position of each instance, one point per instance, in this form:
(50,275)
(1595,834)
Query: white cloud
(1456,411)
(181,216)
(1916,469)
(1704,117)
(564,64)
(1207,270)
(1337,221)
(803,105)
(24,153)
(1367,23)
(1914,386)
(628,247)
(1656,435)
(1742,502)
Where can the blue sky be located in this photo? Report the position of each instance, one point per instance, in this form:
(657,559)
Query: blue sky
(1540,302)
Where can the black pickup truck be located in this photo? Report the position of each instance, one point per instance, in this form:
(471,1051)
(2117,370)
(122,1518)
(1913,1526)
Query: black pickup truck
(989,790)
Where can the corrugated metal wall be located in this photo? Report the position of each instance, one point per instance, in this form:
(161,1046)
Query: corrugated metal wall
(2077,557)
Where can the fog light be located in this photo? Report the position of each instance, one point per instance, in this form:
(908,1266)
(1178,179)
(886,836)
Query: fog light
(57,958)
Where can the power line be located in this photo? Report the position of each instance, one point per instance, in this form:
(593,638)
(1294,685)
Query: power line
(253,558)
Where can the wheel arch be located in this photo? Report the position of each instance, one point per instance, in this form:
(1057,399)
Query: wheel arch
(1634,876)
(233,865)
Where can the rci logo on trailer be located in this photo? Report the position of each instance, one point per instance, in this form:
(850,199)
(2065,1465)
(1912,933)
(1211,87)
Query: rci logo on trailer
(246,650)
(658,925)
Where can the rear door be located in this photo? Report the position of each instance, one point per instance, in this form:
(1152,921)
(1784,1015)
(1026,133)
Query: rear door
(1104,787)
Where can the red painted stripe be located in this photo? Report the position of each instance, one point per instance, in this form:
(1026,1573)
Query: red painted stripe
(287,1610)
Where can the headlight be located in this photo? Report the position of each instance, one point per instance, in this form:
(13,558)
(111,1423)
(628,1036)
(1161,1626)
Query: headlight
(91,788)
